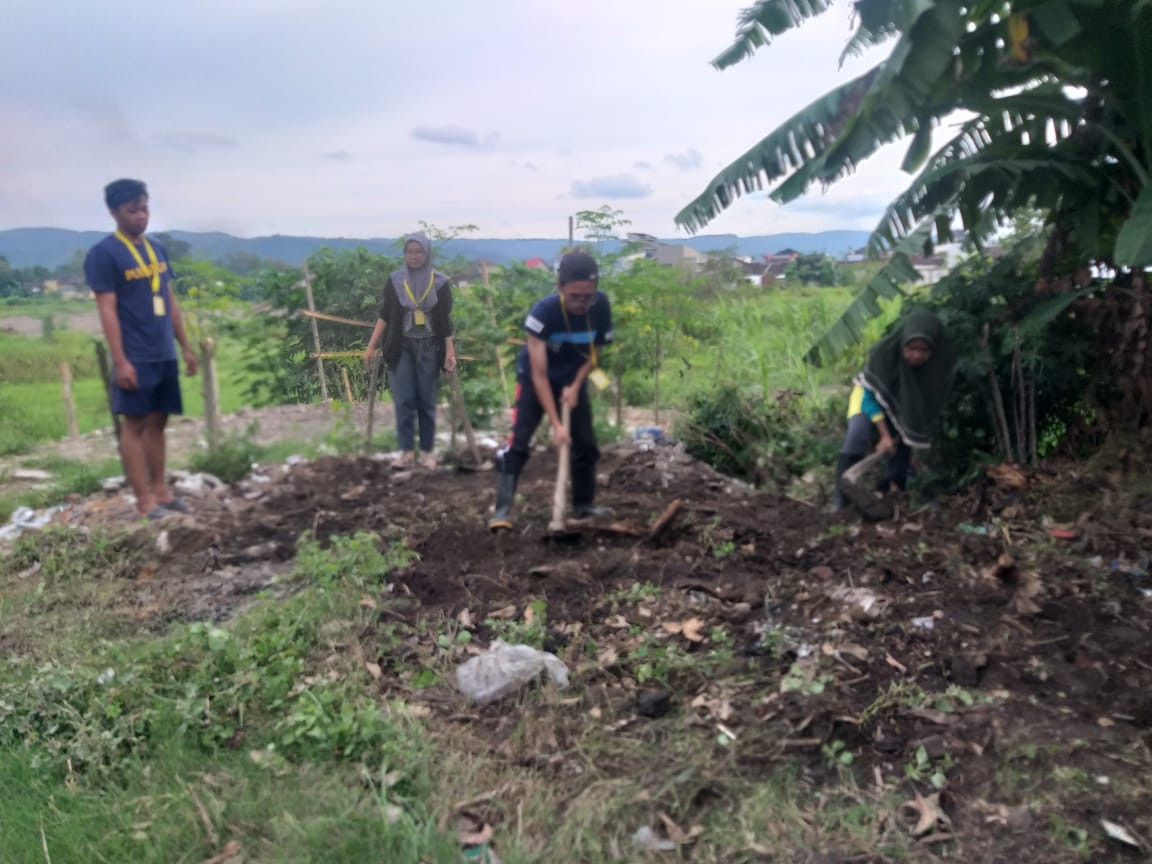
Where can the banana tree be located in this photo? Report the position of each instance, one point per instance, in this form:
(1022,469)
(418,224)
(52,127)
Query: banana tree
(1055,103)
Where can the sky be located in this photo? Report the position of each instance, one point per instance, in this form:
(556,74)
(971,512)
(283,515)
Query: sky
(360,118)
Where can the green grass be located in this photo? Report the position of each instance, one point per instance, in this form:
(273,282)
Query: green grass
(31,395)
(37,306)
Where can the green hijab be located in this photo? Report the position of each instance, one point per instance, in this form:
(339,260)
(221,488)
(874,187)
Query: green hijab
(912,398)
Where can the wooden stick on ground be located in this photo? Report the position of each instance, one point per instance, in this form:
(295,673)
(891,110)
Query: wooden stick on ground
(347,384)
(665,519)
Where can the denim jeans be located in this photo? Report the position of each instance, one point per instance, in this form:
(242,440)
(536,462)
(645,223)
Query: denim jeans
(415,382)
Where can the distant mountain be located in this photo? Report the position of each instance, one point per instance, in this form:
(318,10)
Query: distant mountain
(51,247)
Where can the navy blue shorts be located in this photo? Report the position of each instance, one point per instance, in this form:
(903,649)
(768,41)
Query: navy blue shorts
(157,391)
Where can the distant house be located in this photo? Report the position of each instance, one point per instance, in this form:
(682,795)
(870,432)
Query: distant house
(67,289)
(537,264)
(932,268)
(754,270)
(776,266)
(679,256)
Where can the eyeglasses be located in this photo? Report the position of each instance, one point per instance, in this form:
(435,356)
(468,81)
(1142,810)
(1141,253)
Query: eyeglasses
(581,299)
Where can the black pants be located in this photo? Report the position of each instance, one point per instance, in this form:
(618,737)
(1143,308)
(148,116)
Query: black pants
(527,415)
(858,443)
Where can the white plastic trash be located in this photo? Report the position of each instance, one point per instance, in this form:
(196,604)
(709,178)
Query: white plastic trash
(504,669)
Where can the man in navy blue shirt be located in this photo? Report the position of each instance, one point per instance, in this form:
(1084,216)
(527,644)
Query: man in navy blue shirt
(132,280)
(566,332)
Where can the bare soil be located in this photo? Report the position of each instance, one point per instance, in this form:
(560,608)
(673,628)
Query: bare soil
(963,640)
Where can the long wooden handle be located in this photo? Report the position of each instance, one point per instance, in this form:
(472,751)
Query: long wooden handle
(560,496)
(373,374)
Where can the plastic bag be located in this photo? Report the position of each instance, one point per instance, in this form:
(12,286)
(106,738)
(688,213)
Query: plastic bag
(504,669)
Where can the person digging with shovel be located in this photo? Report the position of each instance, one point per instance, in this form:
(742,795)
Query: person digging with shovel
(565,332)
(897,399)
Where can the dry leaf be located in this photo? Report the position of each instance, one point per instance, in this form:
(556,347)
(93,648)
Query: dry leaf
(1028,586)
(672,627)
(608,656)
(374,670)
(691,630)
(928,811)
(505,614)
(464,619)
(529,616)
(1007,476)
(677,834)
(617,622)
(895,664)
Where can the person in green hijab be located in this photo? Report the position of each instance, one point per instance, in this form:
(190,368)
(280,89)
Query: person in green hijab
(898,398)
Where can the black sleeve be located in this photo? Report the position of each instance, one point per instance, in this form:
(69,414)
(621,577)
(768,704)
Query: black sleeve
(387,302)
(444,299)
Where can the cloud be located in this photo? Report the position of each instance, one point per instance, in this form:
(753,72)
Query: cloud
(689,160)
(193,142)
(456,136)
(533,167)
(614,186)
(642,166)
(336,155)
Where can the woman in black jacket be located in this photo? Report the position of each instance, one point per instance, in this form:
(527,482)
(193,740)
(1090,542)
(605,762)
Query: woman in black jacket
(416,325)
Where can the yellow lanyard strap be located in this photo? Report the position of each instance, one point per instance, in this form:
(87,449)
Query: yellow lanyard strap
(591,331)
(424,296)
(155,265)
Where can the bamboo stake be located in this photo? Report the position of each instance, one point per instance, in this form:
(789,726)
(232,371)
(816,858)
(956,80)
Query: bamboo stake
(315,332)
(495,348)
(211,391)
(324,316)
(69,401)
(347,384)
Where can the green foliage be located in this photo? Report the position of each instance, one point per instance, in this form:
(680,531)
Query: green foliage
(355,560)
(232,458)
(1043,133)
(764,441)
(816,269)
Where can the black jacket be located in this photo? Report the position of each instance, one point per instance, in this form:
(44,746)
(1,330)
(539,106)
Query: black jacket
(392,314)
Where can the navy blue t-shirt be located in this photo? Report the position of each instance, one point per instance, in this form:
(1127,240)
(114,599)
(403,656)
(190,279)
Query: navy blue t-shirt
(569,342)
(110,267)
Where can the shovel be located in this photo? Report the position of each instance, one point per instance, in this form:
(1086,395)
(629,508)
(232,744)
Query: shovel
(857,485)
(558,526)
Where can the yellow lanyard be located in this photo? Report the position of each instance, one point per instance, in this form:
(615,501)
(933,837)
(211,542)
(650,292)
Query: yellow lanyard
(591,331)
(155,265)
(424,296)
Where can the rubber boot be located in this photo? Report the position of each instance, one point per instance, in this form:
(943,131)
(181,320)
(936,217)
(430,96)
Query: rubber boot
(843,462)
(501,519)
(584,494)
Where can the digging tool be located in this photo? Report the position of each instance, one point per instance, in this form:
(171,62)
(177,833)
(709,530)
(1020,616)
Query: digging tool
(373,373)
(856,488)
(559,526)
(462,410)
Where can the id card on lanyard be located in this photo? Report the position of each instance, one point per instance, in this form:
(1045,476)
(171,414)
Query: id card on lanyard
(153,267)
(418,316)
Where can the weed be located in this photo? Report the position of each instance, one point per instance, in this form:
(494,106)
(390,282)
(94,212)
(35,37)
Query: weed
(532,630)
(836,754)
(923,768)
(353,560)
(232,459)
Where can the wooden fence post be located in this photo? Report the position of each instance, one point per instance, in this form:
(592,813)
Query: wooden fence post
(106,375)
(69,401)
(315,332)
(211,391)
